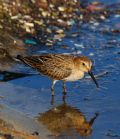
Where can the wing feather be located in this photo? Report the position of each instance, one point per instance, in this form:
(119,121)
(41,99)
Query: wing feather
(55,66)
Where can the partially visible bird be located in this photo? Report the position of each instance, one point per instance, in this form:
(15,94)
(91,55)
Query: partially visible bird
(66,118)
(60,67)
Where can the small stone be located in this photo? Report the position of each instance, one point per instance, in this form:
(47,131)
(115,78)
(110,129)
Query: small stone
(59,31)
(102,17)
(61,9)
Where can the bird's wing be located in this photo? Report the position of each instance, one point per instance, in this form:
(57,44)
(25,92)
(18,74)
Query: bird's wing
(54,66)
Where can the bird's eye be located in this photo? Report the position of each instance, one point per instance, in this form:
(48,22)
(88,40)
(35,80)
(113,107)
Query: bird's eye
(83,64)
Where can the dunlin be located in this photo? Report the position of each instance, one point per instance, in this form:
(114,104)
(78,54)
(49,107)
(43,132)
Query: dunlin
(60,67)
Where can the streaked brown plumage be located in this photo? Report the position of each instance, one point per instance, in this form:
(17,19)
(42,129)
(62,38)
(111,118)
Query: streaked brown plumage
(60,66)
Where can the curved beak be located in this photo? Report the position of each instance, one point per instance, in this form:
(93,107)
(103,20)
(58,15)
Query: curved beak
(92,76)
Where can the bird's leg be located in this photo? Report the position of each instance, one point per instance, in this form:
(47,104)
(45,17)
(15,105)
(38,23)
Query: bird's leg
(64,88)
(64,91)
(52,97)
(53,103)
(52,88)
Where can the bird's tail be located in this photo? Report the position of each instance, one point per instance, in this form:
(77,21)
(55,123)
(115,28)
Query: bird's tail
(19,57)
(26,60)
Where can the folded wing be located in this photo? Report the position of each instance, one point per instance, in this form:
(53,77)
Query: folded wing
(55,66)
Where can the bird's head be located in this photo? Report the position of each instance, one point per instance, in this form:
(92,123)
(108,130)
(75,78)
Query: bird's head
(85,65)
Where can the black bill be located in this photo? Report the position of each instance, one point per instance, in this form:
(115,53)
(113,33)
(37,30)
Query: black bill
(92,76)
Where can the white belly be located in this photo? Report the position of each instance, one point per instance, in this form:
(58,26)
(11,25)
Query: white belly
(75,76)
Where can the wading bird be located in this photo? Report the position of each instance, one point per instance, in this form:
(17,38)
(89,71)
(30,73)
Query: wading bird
(60,67)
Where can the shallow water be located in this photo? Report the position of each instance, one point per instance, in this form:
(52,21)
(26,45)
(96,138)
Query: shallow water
(31,95)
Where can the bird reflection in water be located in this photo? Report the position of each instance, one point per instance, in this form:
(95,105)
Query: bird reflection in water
(66,121)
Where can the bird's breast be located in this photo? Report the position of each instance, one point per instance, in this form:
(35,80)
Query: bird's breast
(74,76)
